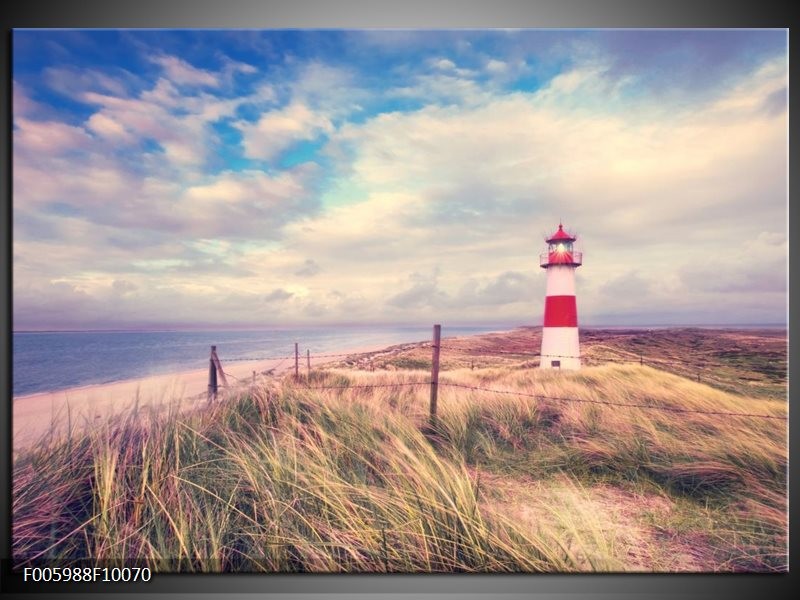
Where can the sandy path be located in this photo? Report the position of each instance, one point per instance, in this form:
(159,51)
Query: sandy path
(35,414)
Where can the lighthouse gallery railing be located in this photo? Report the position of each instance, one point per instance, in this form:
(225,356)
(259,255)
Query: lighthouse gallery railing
(565,258)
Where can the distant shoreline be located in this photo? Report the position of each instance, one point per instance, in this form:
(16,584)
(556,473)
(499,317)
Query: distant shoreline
(257,365)
(34,414)
(500,328)
(345,326)
(53,361)
(177,369)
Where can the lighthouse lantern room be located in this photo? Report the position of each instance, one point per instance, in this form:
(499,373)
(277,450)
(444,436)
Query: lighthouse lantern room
(560,342)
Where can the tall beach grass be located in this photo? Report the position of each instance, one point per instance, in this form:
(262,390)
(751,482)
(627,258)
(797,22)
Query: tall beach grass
(284,478)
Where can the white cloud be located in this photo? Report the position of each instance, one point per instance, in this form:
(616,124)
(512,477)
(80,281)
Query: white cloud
(48,138)
(233,66)
(23,104)
(323,86)
(443,88)
(178,123)
(278,130)
(443,64)
(182,73)
(107,127)
(496,66)
(316,96)
(163,95)
(72,81)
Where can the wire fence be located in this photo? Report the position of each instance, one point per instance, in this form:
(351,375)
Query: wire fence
(263,358)
(365,386)
(640,358)
(484,352)
(257,358)
(476,351)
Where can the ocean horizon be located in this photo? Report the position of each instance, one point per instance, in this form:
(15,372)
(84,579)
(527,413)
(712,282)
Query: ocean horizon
(50,361)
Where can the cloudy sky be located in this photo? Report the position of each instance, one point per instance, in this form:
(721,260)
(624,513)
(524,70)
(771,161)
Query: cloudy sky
(262,178)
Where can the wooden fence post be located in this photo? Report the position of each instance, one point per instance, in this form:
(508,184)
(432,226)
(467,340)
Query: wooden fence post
(308,362)
(220,372)
(437,334)
(296,363)
(254,377)
(212,375)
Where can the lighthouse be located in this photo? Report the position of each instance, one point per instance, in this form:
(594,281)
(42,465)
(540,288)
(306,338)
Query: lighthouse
(560,343)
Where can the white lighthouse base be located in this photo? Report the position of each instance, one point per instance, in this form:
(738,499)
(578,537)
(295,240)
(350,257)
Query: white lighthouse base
(560,348)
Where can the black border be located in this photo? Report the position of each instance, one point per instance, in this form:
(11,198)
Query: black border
(249,14)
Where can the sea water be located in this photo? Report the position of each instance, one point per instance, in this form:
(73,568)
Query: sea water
(52,361)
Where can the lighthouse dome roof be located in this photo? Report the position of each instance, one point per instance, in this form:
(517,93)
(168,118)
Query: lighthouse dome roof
(561,236)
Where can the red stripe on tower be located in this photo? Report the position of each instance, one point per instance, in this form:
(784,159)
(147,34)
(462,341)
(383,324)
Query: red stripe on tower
(560,340)
(560,311)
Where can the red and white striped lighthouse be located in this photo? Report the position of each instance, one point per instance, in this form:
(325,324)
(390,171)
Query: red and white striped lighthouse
(560,343)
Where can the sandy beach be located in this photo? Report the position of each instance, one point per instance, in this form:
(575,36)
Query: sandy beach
(35,415)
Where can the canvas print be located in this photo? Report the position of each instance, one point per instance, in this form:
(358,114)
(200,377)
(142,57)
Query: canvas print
(399,301)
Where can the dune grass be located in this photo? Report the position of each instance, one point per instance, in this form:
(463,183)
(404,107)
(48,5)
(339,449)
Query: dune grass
(285,478)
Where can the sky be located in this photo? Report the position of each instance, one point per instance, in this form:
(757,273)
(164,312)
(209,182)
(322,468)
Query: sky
(203,179)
